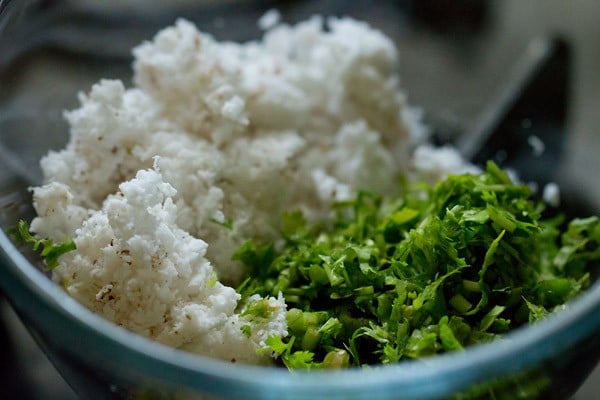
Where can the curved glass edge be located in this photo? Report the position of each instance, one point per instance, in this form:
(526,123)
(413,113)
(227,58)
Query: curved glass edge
(58,316)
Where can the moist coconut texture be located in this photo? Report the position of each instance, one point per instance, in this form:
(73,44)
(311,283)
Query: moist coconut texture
(161,183)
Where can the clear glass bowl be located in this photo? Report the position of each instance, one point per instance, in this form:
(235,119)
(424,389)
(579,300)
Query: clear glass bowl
(50,50)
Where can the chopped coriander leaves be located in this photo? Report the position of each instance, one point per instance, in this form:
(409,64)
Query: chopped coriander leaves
(438,269)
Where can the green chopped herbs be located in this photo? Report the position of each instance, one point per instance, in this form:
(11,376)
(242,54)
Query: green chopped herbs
(49,251)
(437,270)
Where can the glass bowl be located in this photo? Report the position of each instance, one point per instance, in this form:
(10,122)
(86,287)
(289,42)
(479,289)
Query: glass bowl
(50,50)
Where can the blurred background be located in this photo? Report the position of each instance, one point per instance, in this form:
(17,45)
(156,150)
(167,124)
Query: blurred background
(457,57)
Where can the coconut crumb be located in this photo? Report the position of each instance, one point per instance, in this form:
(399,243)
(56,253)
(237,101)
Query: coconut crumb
(551,194)
(537,145)
(269,19)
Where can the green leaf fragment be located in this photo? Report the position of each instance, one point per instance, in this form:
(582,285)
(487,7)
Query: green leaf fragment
(50,251)
(255,256)
(299,360)
(536,312)
(246,330)
(449,341)
(460,304)
(336,359)
(490,317)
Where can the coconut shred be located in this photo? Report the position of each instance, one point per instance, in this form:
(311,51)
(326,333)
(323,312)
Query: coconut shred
(161,183)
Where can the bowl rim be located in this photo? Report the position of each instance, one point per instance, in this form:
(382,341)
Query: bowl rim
(428,378)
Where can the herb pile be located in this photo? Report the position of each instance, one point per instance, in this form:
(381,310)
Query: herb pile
(436,270)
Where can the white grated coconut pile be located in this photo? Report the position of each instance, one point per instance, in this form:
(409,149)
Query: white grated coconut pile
(161,183)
